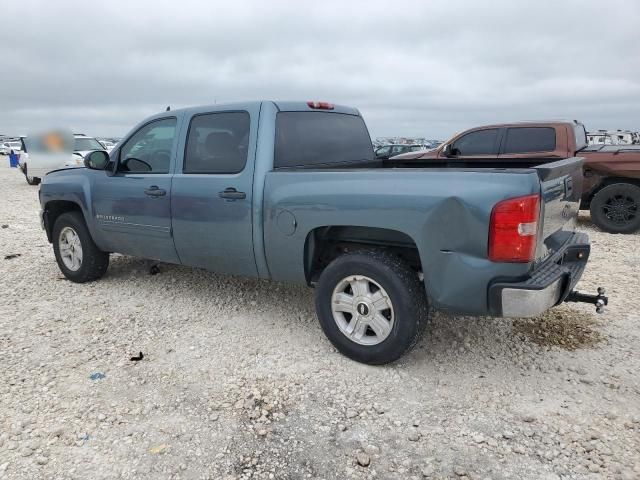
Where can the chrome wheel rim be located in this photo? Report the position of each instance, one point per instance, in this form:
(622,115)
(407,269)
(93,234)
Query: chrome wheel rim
(70,249)
(362,310)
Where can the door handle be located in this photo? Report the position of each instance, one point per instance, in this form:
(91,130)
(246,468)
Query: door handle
(232,194)
(568,187)
(154,191)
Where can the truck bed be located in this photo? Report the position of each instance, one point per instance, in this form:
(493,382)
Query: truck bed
(476,164)
(444,212)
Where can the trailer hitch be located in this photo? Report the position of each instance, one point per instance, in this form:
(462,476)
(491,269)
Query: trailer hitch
(599,300)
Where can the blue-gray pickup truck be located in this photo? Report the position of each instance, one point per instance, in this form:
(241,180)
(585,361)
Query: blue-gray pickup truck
(292,191)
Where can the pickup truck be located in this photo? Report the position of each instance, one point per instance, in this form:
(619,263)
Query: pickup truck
(611,185)
(291,191)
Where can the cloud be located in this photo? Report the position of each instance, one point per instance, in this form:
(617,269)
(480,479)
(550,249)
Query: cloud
(426,68)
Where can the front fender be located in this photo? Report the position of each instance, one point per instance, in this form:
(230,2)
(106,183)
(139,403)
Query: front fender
(68,187)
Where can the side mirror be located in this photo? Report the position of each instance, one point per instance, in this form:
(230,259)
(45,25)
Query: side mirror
(96,160)
(446,151)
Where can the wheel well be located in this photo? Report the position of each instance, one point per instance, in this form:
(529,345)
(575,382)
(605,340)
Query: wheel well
(324,244)
(53,210)
(609,181)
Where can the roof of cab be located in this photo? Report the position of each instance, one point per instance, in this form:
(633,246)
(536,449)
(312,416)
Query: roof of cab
(524,123)
(288,106)
(283,106)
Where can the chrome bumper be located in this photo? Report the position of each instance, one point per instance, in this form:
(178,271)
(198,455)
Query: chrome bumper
(545,286)
(518,302)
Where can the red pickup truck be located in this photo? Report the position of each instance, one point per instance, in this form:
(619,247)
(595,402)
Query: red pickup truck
(611,188)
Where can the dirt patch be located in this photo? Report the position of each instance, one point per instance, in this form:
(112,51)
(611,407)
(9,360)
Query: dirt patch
(561,327)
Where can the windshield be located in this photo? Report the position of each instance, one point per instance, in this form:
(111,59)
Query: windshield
(581,136)
(81,144)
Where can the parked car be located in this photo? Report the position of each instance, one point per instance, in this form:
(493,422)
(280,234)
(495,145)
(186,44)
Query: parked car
(7,147)
(386,151)
(307,201)
(108,146)
(611,181)
(36,165)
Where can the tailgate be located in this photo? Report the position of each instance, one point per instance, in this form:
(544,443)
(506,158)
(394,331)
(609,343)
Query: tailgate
(560,188)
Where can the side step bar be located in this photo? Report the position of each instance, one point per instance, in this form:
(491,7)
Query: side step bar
(599,300)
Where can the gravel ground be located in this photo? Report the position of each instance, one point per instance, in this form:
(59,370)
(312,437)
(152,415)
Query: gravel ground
(238,381)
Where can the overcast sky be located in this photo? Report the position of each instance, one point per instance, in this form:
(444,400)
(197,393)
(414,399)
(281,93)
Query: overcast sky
(415,68)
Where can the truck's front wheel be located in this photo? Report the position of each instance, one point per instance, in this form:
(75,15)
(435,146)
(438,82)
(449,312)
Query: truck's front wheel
(371,306)
(78,257)
(616,208)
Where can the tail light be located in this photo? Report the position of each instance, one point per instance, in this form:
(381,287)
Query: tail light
(513,229)
(321,105)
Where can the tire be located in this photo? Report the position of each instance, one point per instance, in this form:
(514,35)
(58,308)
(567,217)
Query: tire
(386,276)
(30,180)
(93,261)
(616,208)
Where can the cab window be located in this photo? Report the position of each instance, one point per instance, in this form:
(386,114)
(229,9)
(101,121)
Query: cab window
(149,149)
(480,142)
(530,140)
(217,143)
(398,149)
(383,151)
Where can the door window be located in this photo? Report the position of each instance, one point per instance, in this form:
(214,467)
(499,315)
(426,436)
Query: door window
(149,149)
(217,143)
(398,149)
(480,142)
(530,140)
(383,151)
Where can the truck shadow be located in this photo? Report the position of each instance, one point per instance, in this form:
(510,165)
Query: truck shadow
(456,339)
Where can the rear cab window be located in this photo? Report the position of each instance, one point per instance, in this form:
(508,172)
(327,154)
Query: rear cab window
(321,139)
(530,140)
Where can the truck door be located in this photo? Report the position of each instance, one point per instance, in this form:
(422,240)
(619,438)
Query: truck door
(132,208)
(212,192)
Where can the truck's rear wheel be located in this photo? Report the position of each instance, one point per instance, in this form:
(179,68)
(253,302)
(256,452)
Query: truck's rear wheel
(616,208)
(78,257)
(30,180)
(371,306)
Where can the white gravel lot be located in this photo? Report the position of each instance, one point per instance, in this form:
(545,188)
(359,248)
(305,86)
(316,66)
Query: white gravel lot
(238,381)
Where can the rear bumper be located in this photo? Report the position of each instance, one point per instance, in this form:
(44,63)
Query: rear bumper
(546,286)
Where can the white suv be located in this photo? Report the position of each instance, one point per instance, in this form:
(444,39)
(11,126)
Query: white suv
(36,166)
